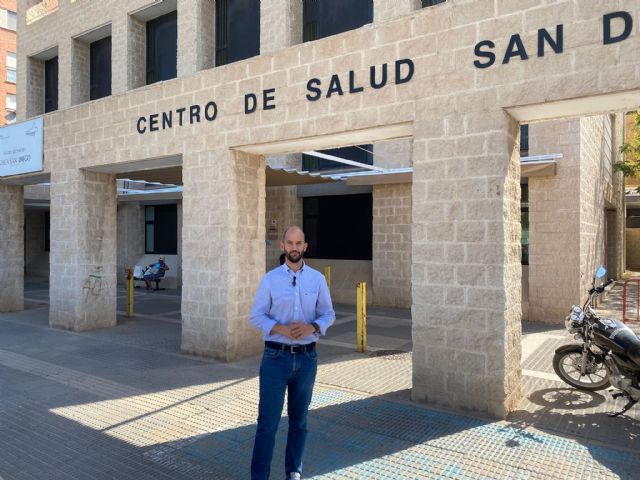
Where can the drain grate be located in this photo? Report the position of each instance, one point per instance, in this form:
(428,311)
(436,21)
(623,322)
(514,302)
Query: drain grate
(389,354)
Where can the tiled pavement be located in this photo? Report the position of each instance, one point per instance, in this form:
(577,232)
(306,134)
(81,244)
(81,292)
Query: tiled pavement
(123,403)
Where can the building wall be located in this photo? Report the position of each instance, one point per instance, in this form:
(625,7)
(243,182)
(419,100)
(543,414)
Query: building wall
(554,223)
(569,233)
(633,248)
(7,44)
(465,191)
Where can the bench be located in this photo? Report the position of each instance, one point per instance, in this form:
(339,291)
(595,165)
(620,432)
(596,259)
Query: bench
(169,279)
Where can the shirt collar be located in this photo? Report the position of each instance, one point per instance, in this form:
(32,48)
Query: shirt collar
(291,272)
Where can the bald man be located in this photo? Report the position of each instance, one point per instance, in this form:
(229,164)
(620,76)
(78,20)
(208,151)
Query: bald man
(293,310)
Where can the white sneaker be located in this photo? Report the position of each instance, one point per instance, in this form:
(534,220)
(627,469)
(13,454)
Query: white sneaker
(294,476)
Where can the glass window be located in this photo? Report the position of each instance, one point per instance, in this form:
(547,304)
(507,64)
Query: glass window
(524,139)
(12,20)
(162,48)
(431,3)
(161,229)
(323,18)
(10,116)
(100,68)
(361,153)
(325,219)
(524,221)
(51,85)
(11,102)
(11,67)
(237,30)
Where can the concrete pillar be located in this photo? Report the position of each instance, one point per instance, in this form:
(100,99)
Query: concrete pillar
(223,252)
(80,76)
(130,236)
(128,54)
(31,92)
(388,9)
(196,36)
(466,257)
(65,73)
(280,24)
(12,241)
(83,250)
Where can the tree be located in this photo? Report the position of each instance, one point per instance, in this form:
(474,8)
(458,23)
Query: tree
(630,165)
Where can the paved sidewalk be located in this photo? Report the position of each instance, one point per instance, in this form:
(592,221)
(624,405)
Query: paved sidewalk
(123,403)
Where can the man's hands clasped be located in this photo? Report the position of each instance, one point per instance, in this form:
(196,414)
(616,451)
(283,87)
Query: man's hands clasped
(295,331)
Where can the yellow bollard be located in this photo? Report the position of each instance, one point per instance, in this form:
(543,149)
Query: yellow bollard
(129,292)
(327,275)
(361,307)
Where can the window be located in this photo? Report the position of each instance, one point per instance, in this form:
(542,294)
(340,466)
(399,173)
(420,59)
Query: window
(326,219)
(11,67)
(161,229)
(361,153)
(237,30)
(100,68)
(51,85)
(11,102)
(162,48)
(323,19)
(431,3)
(10,105)
(524,221)
(8,19)
(524,140)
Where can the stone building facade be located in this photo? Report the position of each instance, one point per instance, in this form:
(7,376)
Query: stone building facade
(472,72)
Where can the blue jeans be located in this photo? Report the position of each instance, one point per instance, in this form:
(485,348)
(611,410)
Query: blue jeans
(280,371)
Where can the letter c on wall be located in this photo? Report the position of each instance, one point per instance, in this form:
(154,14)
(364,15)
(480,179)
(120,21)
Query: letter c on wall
(141,128)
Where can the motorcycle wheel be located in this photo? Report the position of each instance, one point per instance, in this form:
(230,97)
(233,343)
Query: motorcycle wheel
(567,365)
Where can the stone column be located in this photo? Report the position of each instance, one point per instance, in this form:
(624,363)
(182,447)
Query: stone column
(65,73)
(12,241)
(388,9)
(80,72)
(466,258)
(223,252)
(128,54)
(83,250)
(280,24)
(196,35)
(130,229)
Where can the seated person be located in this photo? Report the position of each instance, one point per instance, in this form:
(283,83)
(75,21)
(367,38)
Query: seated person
(155,272)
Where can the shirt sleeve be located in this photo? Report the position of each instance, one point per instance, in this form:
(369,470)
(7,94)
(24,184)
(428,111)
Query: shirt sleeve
(325,315)
(259,317)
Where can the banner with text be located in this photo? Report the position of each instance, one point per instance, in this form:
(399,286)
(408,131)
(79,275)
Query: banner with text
(21,148)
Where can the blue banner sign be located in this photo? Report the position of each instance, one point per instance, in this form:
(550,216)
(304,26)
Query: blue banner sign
(21,148)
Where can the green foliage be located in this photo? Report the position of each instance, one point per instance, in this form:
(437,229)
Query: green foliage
(630,150)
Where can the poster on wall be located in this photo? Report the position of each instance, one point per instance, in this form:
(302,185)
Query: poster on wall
(21,146)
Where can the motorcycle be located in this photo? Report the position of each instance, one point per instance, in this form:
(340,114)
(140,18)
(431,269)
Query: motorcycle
(607,352)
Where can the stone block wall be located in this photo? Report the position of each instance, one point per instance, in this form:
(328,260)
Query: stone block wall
(392,245)
(12,241)
(554,223)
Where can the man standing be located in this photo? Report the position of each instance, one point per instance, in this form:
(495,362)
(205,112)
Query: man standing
(292,309)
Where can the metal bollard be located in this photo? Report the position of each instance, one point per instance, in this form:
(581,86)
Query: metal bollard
(327,275)
(129,292)
(361,311)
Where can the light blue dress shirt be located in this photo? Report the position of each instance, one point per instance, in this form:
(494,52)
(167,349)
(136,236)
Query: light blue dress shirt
(279,301)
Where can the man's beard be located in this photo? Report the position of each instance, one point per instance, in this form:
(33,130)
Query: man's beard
(293,256)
